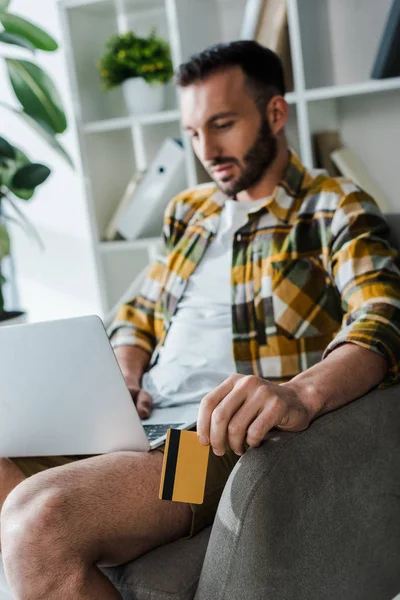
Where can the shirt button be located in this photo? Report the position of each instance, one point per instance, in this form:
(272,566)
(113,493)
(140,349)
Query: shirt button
(238,237)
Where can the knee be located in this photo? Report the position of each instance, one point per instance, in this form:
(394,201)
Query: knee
(31,519)
(35,534)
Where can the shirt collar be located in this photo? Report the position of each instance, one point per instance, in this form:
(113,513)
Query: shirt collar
(288,194)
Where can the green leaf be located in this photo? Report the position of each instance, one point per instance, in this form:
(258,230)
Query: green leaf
(4,4)
(8,171)
(6,150)
(46,135)
(22,194)
(15,40)
(4,242)
(37,93)
(32,33)
(30,176)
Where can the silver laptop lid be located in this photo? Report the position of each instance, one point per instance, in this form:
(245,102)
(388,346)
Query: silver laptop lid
(62,391)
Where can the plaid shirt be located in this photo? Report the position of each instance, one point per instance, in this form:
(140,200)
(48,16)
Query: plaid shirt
(319,273)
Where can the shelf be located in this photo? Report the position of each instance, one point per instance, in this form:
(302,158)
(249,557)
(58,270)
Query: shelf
(130,5)
(121,245)
(291,97)
(101,8)
(79,3)
(353,89)
(166,116)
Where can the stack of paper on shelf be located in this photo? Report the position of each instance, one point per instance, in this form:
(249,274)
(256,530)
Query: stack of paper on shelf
(266,22)
(325,142)
(338,160)
(164,178)
(387,62)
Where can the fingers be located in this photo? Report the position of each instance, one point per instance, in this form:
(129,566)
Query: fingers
(240,411)
(144,403)
(250,423)
(220,427)
(207,406)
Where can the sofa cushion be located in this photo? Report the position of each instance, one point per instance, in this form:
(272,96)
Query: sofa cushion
(168,572)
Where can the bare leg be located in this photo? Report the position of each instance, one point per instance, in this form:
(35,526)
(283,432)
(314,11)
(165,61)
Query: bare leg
(10,477)
(59,524)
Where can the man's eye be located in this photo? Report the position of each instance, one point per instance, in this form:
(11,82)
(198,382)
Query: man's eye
(224,125)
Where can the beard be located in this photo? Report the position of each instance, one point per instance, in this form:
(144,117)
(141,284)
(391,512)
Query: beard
(255,162)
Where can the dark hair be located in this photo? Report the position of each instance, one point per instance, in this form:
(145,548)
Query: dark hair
(262,67)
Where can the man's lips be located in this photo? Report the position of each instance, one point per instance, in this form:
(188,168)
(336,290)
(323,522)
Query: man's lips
(223,170)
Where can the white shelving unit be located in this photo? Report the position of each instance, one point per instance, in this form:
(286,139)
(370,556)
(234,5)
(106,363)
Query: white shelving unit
(332,90)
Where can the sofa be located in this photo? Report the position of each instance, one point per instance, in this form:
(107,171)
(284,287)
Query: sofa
(313,515)
(306,516)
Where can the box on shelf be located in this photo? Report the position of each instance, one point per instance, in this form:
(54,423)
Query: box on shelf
(111,232)
(164,179)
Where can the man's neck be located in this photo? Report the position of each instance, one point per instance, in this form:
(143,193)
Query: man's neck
(269,181)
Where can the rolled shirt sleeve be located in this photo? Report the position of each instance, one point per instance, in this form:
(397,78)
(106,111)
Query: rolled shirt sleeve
(365,268)
(136,321)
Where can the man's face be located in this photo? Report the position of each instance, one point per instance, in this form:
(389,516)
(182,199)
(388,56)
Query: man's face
(230,136)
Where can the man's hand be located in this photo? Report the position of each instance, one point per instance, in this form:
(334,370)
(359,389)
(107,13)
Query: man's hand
(244,408)
(133,363)
(142,399)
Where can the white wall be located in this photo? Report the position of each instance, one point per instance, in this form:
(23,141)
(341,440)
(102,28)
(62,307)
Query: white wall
(61,281)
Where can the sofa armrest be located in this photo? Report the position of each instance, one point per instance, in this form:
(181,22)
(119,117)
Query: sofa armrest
(313,515)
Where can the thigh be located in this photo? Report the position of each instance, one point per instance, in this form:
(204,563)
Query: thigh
(109,510)
(30,465)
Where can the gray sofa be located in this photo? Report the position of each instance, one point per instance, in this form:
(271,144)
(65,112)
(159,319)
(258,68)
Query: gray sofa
(306,516)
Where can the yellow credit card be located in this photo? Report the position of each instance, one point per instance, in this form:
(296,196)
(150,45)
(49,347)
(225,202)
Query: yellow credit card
(184,471)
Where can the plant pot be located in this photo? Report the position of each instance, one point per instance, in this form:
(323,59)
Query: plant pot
(141,97)
(12,317)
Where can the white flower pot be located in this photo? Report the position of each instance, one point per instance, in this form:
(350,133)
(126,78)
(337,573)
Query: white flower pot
(141,97)
(13,318)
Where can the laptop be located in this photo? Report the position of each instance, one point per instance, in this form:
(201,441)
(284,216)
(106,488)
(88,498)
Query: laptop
(63,393)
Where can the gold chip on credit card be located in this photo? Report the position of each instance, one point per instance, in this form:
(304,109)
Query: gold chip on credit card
(184,471)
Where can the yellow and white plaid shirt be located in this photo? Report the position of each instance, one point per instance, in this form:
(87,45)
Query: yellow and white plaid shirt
(320,273)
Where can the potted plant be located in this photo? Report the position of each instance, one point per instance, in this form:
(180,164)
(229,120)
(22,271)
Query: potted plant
(40,106)
(19,178)
(142,65)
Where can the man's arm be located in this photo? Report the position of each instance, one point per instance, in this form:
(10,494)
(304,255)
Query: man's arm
(365,269)
(244,408)
(347,373)
(133,362)
(365,352)
(136,323)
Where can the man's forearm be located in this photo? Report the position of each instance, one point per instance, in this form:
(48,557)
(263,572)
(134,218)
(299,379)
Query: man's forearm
(345,374)
(132,359)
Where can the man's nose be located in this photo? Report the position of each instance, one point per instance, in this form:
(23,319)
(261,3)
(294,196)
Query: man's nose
(208,150)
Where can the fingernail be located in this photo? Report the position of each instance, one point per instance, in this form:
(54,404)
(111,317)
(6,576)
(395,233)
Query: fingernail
(218,453)
(203,440)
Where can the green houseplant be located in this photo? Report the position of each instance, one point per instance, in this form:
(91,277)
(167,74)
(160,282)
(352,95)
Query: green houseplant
(142,65)
(40,106)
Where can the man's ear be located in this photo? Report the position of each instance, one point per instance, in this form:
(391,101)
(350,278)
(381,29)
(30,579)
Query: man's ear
(277,114)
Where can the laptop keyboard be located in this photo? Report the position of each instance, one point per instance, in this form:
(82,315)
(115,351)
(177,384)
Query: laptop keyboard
(155,431)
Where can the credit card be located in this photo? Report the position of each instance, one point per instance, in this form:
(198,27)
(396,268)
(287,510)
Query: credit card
(184,471)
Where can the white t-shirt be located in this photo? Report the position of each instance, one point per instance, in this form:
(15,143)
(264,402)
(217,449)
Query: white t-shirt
(197,352)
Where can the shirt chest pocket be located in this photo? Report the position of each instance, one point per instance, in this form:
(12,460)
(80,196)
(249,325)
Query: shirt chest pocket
(305,302)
